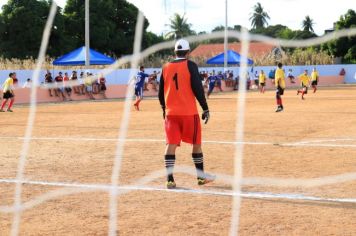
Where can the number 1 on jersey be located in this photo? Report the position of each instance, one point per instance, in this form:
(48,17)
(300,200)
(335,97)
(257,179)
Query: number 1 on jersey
(175,78)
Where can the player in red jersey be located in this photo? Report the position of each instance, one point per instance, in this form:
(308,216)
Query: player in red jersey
(179,87)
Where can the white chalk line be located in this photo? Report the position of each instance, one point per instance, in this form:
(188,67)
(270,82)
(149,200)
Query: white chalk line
(311,143)
(247,181)
(325,140)
(82,188)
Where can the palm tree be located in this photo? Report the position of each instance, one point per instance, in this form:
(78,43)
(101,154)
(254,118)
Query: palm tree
(259,17)
(179,27)
(307,24)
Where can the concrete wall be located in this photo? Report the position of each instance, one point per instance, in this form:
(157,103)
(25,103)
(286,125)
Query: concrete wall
(120,77)
(117,81)
(22,95)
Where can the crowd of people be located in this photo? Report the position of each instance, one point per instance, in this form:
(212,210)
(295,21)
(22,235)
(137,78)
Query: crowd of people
(86,84)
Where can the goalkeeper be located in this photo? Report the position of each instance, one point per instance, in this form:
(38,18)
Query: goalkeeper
(180,85)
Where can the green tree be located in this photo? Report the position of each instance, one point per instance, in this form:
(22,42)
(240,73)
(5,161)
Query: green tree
(22,26)
(344,47)
(259,17)
(286,33)
(282,31)
(59,42)
(2,27)
(272,30)
(179,27)
(150,39)
(112,25)
(307,24)
(221,40)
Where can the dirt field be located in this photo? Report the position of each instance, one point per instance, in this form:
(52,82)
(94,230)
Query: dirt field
(326,121)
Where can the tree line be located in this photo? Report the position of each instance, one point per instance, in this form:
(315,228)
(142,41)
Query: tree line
(112,29)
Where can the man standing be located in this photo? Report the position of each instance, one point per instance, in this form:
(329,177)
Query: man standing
(219,78)
(66,86)
(280,84)
(49,81)
(180,85)
(140,83)
(59,85)
(8,92)
(314,79)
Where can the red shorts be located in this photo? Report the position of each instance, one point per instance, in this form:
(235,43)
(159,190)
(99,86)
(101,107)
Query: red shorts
(183,128)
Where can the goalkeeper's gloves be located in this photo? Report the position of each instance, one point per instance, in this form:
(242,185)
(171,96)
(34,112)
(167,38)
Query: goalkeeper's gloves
(205,116)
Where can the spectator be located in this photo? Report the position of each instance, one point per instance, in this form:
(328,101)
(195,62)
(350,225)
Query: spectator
(229,79)
(74,80)
(219,77)
(201,73)
(59,85)
(145,87)
(256,78)
(290,76)
(96,85)
(81,83)
(153,80)
(248,80)
(226,76)
(102,86)
(49,81)
(88,82)
(27,84)
(237,79)
(66,86)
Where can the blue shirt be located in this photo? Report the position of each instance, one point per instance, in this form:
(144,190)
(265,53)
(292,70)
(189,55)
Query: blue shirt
(219,77)
(140,79)
(212,78)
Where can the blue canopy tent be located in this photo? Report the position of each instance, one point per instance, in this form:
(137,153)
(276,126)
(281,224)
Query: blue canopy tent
(233,58)
(77,58)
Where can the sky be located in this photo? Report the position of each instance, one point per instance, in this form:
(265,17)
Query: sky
(204,15)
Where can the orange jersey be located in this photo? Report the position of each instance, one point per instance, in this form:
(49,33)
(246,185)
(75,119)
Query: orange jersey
(178,94)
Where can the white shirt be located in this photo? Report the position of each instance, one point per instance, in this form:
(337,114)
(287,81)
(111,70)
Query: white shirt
(27,84)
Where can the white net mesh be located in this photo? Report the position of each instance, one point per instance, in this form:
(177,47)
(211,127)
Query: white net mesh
(115,189)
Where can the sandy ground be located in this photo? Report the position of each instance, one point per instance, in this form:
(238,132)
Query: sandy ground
(327,118)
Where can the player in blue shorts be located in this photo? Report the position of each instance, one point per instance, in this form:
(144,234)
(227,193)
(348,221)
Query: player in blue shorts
(140,83)
(212,81)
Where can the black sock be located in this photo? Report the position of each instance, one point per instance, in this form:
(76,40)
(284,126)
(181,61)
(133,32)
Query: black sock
(198,160)
(169,161)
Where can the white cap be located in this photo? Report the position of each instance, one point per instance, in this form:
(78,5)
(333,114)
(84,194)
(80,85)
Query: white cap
(182,45)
